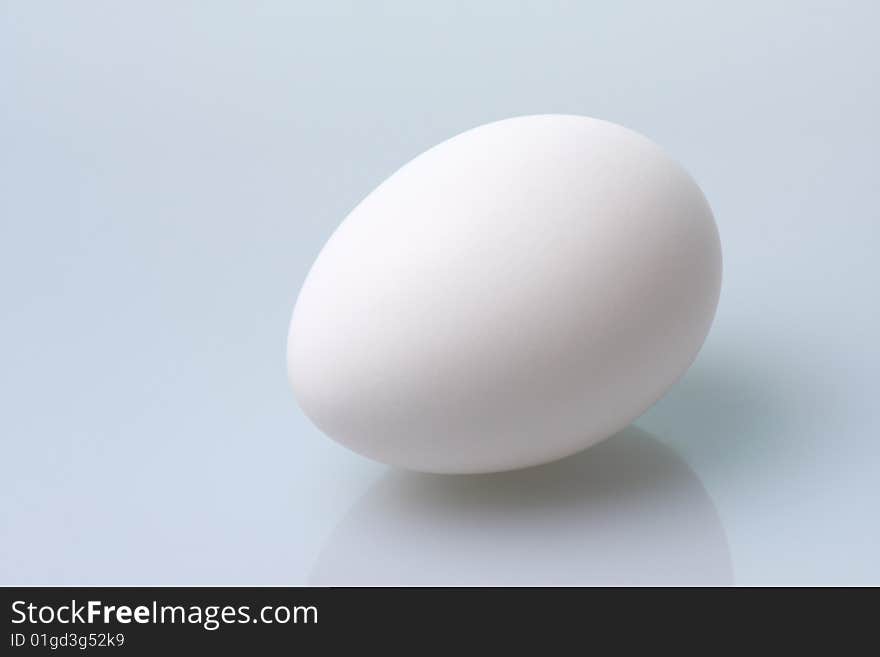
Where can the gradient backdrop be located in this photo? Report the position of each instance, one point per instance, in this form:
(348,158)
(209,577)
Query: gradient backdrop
(169,170)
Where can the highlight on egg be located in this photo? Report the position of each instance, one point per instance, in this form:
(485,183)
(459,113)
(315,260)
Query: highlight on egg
(509,297)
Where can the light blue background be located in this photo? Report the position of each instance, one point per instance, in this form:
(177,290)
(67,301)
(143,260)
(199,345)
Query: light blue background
(169,170)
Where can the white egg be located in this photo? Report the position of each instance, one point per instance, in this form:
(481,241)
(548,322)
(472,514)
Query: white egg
(507,298)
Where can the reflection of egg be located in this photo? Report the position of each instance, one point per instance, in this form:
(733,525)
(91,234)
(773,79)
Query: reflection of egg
(628,513)
(507,298)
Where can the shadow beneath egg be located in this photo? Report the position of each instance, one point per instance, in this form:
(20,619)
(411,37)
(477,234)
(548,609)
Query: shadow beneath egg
(733,413)
(628,511)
